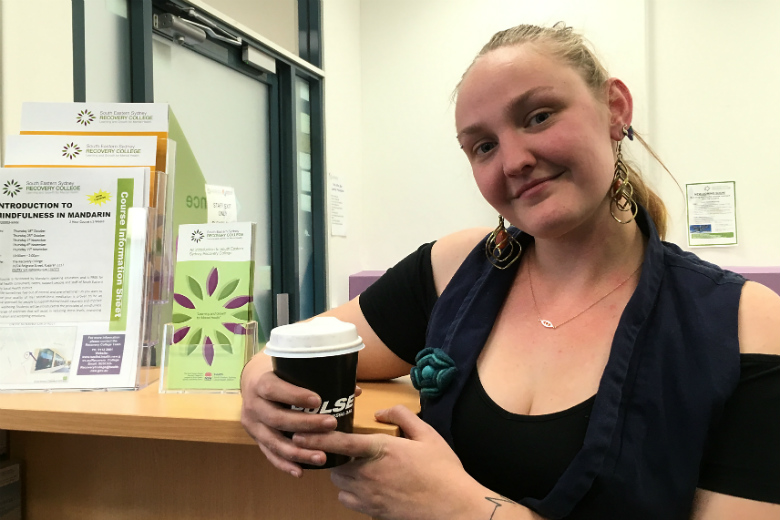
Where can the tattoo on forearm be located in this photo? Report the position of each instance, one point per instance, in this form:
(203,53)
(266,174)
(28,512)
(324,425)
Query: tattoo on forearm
(498,501)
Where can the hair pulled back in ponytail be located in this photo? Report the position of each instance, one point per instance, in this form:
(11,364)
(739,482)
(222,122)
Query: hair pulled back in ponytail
(564,43)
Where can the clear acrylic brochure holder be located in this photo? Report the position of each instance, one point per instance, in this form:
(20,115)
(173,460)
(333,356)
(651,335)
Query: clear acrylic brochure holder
(162,253)
(181,370)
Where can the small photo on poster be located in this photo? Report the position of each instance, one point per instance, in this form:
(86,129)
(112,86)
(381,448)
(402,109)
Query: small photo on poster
(36,354)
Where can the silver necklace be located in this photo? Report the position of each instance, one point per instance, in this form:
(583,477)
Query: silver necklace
(548,324)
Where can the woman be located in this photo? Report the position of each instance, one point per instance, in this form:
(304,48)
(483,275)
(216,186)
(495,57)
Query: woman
(588,370)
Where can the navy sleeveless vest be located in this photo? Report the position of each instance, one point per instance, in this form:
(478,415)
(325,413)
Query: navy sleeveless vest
(673,363)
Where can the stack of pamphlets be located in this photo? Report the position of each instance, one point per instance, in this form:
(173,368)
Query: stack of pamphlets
(75,237)
(119,127)
(55,151)
(213,288)
(67,135)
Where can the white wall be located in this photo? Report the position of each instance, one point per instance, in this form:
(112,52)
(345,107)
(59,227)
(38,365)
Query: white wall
(417,184)
(36,56)
(715,87)
(705,87)
(343,135)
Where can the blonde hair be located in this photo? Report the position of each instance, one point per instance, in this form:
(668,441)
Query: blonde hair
(571,48)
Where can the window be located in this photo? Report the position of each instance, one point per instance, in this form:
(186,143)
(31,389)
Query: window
(251,112)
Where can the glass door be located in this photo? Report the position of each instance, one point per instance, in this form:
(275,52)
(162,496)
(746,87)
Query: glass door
(224,117)
(305,228)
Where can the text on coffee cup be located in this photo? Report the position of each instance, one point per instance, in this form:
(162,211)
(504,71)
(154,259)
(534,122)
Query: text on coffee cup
(341,407)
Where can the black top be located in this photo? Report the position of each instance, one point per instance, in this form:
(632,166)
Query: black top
(742,460)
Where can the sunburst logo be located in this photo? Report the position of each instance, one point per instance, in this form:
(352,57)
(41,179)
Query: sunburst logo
(71,150)
(11,188)
(196,236)
(228,311)
(85,117)
(99,198)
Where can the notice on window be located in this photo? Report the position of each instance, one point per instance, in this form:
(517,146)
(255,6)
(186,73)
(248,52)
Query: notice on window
(222,206)
(712,214)
(338,213)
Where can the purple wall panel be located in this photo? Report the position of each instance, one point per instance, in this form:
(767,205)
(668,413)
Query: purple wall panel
(769,276)
(359,282)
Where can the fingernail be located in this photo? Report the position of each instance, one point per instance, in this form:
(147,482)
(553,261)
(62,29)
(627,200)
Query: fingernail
(318,459)
(295,473)
(330,421)
(314,402)
(299,437)
(379,412)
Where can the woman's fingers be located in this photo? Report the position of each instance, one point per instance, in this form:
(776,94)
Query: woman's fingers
(285,419)
(412,426)
(271,403)
(281,464)
(279,448)
(270,387)
(268,411)
(283,455)
(353,445)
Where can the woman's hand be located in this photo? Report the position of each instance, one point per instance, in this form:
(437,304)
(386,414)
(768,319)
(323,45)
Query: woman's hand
(266,413)
(417,477)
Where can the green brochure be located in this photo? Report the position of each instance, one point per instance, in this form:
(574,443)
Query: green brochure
(213,287)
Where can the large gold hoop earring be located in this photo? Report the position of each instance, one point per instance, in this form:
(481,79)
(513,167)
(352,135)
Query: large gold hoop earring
(501,248)
(622,190)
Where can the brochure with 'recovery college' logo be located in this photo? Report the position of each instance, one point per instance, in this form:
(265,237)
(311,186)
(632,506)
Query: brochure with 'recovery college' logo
(213,288)
(72,263)
(102,119)
(61,151)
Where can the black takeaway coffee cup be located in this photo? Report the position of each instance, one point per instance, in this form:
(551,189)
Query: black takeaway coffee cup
(321,355)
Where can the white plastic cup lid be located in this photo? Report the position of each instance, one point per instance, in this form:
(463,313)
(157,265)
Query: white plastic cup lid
(320,337)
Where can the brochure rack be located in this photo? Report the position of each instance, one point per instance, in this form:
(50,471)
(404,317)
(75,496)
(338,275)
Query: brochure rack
(96,323)
(144,218)
(162,252)
(207,381)
(86,356)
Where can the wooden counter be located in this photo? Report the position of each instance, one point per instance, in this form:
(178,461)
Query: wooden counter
(139,455)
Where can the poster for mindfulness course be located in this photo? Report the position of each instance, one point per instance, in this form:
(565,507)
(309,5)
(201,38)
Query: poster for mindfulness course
(72,258)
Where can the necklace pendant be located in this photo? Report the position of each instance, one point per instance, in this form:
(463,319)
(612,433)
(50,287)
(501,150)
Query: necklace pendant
(547,324)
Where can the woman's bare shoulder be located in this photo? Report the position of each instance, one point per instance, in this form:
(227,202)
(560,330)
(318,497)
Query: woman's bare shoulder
(759,320)
(450,251)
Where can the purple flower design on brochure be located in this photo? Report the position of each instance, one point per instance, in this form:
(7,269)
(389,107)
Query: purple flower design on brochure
(228,314)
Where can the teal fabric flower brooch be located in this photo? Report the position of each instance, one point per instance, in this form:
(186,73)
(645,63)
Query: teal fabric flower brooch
(434,372)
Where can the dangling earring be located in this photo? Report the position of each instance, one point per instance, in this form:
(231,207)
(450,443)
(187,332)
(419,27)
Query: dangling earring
(501,248)
(622,190)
